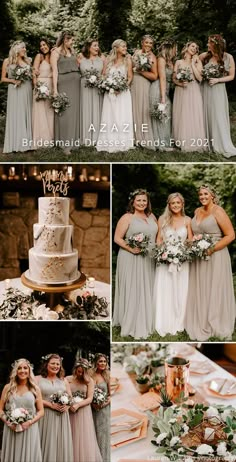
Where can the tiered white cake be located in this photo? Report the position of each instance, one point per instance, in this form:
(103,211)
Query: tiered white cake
(53,259)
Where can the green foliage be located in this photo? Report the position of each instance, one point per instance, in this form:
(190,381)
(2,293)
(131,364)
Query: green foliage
(7,26)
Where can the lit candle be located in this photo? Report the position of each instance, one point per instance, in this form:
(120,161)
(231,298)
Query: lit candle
(4,177)
(97,175)
(12,171)
(91,178)
(104,178)
(70,172)
(54,175)
(84,173)
(7,283)
(91,282)
(35,171)
(209,434)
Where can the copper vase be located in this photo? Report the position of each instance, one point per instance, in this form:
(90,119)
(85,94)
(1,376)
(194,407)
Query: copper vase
(177,378)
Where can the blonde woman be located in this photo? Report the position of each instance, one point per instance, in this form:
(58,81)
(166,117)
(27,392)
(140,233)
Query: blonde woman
(159,93)
(116,132)
(188,122)
(211,309)
(66,79)
(82,425)
(101,413)
(18,131)
(171,282)
(21,392)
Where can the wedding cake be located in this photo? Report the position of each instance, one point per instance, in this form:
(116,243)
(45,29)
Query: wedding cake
(53,259)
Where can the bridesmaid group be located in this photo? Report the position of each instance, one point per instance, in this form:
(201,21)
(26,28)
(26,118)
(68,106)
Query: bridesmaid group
(198,120)
(56,432)
(200,297)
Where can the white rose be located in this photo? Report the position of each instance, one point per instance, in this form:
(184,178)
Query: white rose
(204,449)
(64,400)
(178,75)
(175,440)
(51,315)
(175,261)
(221,449)
(16,413)
(186,429)
(161,437)
(93,78)
(44,89)
(77,399)
(203,244)
(225,414)
(112,90)
(161,107)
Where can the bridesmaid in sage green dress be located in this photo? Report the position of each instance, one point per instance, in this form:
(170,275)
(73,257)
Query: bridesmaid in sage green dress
(90,61)
(215,100)
(101,413)
(135,272)
(18,131)
(66,79)
(159,93)
(21,443)
(55,429)
(211,309)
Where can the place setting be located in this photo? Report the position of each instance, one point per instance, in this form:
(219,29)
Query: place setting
(186,411)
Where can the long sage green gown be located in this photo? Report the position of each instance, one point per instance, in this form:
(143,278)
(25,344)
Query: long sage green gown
(102,427)
(67,125)
(216,115)
(91,103)
(22,446)
(54,427)
(162,129)
(133,305)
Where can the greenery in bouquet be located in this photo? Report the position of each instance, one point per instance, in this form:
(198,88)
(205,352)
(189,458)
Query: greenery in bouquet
(158,111)
(113,84)
(199,245)
(142,62)
(92,78)
(99,396)
(41,91)
(189,434)
(172,252)
(18,305)
(140,241)
(62,398)
(18,415)
(212,71)
(22,73)
(78,396)
(184,74)
(92,305)
(59,103)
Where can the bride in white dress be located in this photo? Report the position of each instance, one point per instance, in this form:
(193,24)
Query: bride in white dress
(171,287)
(116,128)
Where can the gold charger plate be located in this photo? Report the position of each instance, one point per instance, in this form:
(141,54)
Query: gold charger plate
(136,415)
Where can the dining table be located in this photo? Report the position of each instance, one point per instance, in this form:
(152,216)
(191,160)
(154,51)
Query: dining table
(126,394)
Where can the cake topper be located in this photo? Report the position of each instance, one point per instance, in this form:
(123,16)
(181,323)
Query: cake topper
(55,182)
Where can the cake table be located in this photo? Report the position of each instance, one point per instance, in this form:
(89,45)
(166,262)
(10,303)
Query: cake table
(53,292)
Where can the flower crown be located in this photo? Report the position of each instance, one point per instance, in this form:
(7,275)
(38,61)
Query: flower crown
(47,357)
(82,362)
(18,361)
(136,192)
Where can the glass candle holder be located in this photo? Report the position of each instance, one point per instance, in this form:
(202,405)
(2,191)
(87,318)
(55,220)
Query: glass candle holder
(177,378)
(91,282)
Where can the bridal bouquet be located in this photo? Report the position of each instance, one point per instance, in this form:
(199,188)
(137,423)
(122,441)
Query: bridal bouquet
(77,396)
(60,103)
(62,398)
(158,112)
(142,62)
(41,91)
(139,240)
(17,416)
(199,246)
(184,74)
(113,84)
(213,71)
(92,78)
(99,396)
(173,253)
(22,73)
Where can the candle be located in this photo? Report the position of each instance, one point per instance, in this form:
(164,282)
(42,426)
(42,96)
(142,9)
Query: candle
(54,175)
(97,174)
(91,178)
(91,282)
(4,177)
(7,283)
(12,172)
(70,173)
(81,178)
(104,178)
(84,173)
(209,434)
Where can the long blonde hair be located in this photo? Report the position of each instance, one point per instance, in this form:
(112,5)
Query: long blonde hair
(168,215)
(63,36)
(14,381)
(14,52)
(113,54)
(185,48)
(105,374)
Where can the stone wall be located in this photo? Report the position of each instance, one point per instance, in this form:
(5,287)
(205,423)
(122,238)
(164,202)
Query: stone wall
(91,238)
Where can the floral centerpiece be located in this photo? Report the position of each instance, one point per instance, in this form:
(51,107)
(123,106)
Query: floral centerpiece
(213,71)
(184,74)
(92,78)
(172,252)
(142,62)
(22,73)
(199,245)
(158,111)
(17,416)
(41,90)
(99,396)
(60,103)
(139,240)
(113,84)
(189,434)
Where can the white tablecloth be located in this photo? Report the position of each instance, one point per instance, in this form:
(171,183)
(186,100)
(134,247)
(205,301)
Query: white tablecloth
(144,449)
(101,289)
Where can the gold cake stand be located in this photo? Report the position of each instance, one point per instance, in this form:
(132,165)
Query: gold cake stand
(53,292)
